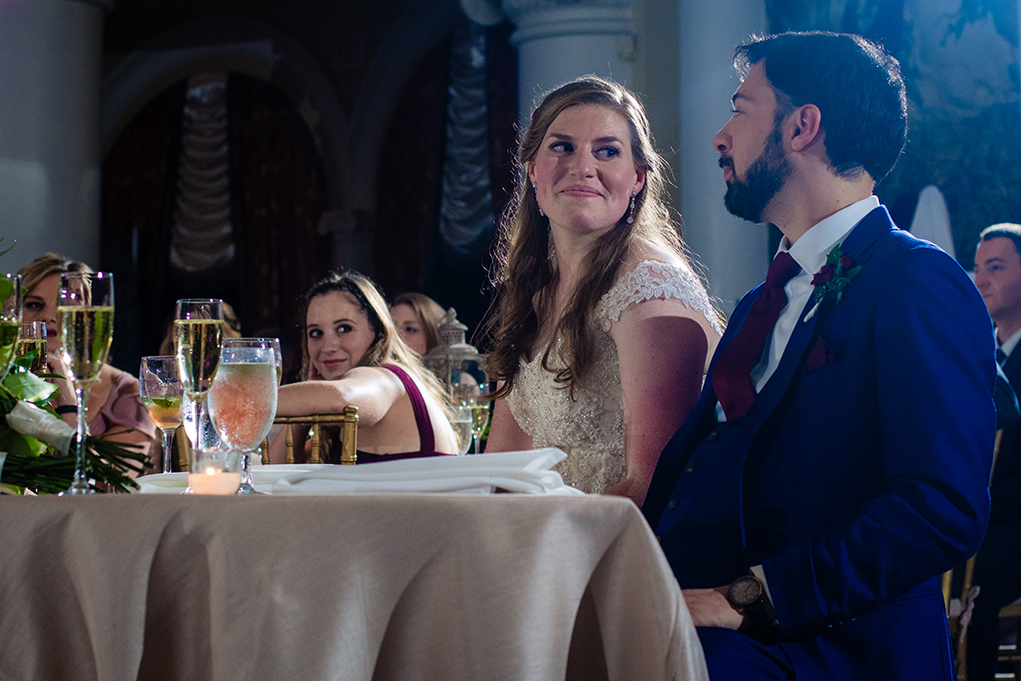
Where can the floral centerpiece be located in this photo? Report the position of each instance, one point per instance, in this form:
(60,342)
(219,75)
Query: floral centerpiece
(35,438)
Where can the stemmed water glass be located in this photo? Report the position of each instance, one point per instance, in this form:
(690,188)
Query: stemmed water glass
(10,318)
(243,398)
(85,329)
(198,335)
(162,392)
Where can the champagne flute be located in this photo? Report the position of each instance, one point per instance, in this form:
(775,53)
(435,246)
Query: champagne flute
(10,318)
(198,334)
(85,329)
(461,421)
(162,391)
(33,340)
(480,415)
(243,398)
(278,355)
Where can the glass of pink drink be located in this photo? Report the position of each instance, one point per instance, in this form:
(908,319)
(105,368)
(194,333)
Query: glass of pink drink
(243,399)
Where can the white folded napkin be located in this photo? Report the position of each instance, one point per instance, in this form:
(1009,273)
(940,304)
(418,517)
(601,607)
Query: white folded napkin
(263,478)
(525,472)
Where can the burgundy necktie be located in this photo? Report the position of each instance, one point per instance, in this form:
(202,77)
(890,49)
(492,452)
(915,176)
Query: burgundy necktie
(732,380)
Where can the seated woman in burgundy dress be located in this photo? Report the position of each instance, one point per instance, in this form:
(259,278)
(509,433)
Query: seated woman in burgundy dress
(353,355)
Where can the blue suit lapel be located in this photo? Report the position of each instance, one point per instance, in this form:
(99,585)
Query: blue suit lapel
(855,246)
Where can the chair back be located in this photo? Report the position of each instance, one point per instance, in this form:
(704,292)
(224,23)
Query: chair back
(349,435)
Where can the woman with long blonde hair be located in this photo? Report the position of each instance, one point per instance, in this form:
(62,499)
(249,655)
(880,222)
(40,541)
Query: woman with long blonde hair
(115,406)
(353,355)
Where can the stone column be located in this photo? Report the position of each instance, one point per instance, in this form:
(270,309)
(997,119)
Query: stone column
(50,73)
(559,40)
(733,252)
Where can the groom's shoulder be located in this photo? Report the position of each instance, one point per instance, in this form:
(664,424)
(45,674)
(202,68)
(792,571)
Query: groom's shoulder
(899,249)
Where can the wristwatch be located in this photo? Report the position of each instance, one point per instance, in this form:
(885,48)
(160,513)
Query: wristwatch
(749,596)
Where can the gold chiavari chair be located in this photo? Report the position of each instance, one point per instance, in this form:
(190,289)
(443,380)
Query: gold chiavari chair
(958,633)
(349,435)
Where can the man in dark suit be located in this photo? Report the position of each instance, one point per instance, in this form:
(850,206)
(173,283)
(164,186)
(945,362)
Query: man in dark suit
(837,461)
(998,565)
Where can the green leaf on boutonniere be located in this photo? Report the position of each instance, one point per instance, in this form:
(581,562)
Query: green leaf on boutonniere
(833,277)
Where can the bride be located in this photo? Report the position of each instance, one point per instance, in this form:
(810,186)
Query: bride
(602,331)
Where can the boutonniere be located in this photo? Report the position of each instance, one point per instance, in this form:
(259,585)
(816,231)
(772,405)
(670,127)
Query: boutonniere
(833,277)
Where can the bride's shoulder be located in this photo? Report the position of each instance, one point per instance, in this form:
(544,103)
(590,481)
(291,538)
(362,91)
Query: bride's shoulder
(652,273)
(647,261)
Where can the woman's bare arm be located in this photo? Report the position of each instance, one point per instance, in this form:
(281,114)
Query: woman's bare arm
(661,345)
(505,435)
(373,390)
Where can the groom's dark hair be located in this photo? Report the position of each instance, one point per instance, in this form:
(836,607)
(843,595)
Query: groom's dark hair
(855,83)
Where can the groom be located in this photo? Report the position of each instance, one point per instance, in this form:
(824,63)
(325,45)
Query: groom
(837,461)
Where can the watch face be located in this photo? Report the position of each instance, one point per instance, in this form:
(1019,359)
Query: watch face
(745,591)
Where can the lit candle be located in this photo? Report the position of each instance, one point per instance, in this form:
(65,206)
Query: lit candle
(214,481)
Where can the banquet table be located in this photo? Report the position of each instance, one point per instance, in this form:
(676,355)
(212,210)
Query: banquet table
(373,587)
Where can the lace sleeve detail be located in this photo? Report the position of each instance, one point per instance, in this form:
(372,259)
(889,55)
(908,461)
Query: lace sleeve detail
(650,280)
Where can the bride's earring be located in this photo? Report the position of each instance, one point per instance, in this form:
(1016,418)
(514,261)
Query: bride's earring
(631,211)
(537,200)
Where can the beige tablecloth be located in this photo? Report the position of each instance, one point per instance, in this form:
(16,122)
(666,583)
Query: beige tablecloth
(118,587)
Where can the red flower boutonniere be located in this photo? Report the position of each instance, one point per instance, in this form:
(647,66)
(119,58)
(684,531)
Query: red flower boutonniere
(833,277)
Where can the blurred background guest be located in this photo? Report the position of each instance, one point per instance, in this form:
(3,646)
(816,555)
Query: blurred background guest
(602,330)
(353,355)
(998,278)
(418,318)
(115,407)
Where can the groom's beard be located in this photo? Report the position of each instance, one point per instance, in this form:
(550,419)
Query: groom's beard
(747,198)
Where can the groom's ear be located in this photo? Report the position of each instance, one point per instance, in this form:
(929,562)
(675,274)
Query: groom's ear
(805,127)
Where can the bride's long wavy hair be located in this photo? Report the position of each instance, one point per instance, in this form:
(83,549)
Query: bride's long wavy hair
(524,274)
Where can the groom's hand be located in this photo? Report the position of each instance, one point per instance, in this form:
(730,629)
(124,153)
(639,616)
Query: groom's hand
(710,608)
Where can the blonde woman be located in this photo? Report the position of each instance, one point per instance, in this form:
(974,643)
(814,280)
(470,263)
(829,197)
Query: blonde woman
(115,406)
(353,355)
(418,318)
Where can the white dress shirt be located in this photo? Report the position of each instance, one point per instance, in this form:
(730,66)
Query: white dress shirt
(1011,343)
(810,252)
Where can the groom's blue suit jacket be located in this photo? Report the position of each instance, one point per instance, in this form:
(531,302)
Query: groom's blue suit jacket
(860,472)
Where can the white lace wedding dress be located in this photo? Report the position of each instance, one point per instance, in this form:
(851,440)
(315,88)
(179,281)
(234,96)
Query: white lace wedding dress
(591,427)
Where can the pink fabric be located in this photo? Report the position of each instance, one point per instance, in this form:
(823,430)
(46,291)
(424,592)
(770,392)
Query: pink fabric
(123,408)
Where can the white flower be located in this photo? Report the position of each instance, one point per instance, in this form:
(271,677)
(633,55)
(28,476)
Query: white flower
(28,419)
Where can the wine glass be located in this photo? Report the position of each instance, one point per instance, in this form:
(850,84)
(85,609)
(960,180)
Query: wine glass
(85,329)
(278,355)
(10,319)
(461,421)
(243,398)
(480,414)
(33,341)
(198,335)
(162,392)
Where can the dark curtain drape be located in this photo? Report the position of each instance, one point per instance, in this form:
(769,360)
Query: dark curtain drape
(136,202)
(410,166)
(278,196)
(410,255)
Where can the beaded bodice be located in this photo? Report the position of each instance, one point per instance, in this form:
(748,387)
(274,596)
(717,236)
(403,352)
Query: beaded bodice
(590,427)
